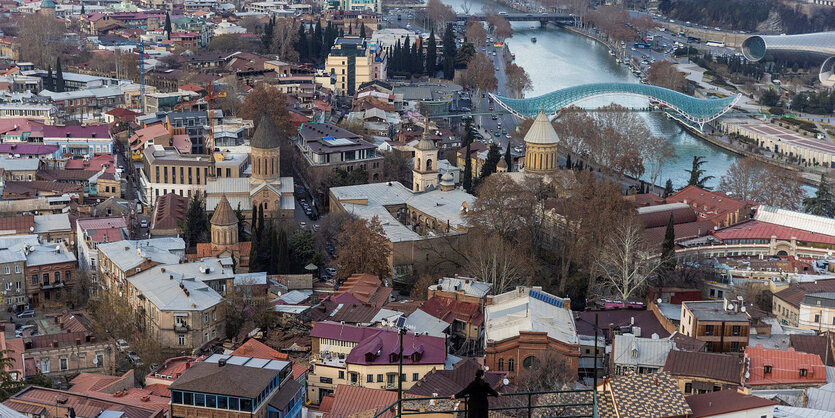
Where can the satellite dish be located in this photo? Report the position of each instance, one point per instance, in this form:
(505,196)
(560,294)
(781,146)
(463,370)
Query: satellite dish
(742,309)
(95,360)
(659,301)
(505,381)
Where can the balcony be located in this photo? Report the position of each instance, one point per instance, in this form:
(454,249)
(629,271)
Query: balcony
(53,285)
(181,328)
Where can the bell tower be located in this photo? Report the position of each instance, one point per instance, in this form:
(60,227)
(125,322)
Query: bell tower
(425,170)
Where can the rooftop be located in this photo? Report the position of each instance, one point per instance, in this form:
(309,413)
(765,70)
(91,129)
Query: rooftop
(257,349)
(783,367)
(795,293)
(83,405)
(129,254)
(725,402)
(466,285)
(713,310)
(230,379)
(647,396)
(161,285)
(714,366)
(541,131)
(643,352)
(528,309)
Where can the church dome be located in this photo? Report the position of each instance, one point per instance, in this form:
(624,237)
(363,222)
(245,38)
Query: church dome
(224,215)
(266,136)
(542,132)
(425,144)
(447,179)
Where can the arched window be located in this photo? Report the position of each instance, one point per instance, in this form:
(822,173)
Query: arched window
(501,364)
(530,363)
(428,164)
(511,366)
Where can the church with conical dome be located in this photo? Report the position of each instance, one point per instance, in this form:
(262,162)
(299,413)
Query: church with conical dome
(541,146)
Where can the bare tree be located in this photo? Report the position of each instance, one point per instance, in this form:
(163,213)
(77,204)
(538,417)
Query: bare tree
(496,261)
(479,74)
(656,152)
(499,26)
(518,80)
(625,264)
(40,39)
(439,14)
(750,179)
(503,208)
(362,247)
(664,74)
(285,36)
(543,372)
(475,32)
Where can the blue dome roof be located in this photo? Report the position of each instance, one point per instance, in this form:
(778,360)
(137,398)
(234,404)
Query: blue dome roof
(47,4)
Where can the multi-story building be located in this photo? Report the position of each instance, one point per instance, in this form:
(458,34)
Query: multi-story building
(193,124)
(51,267)
(180,305)
(368,357)
(233,386)
(13,271)
(327,147)
(351,62)
(722,324)
(94,231)
(167,170)
(781,369)
(372,6)
(817,311)
(524,323)
(465,289)
(122,259)
(713,206)
(19,169)
(786,303)
(634,354)
(78,140)
(63,403)
(48,113)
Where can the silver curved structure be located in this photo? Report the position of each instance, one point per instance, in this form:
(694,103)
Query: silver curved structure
(819,45)
(695,110)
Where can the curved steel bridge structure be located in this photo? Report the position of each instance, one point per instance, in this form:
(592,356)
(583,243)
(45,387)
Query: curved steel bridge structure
(695,110)
(819,45)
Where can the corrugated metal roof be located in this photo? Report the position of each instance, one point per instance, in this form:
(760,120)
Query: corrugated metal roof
(822,398)
(793,219)
(642,352)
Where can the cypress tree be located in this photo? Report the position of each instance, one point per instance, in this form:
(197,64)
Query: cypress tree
(467,181)
(668,189)
(493,157)
(283,252)
(508,159)
(168,25)
(317,41)
(568,162)
(301,44)
(83,12)
(273,236)
(253,237)
(362,31)
(431,54)
(49,82)
(668,250)
(59,80)
(449,53)
(822,203)
(404,55)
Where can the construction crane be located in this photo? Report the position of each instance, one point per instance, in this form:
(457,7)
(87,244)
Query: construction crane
(210,100)
(141,50)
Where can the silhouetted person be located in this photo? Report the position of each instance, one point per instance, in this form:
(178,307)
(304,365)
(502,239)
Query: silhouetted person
(477,390)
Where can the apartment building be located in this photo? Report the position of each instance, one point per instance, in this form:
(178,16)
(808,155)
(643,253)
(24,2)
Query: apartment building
(326,147)
(122,259)
(351,62)
(722,324)
(167,170)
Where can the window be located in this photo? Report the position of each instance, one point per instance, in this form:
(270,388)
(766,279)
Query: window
(206,318)
(67,275)
(8,270)
(415,377)
(62,363)
(341,374)
(206,337)
(802,372)
(17,285)
(34,279)
(688,388)
(369,378)
(45,278)
(45,366)
(214,315)
(380,378)
(510,365)
(766,369)
(327,380)
(530,363)
(181,340)
(17,268)
(57,276)
(736,330)
(734,346)
(817,318)
(708,330)
(501,364)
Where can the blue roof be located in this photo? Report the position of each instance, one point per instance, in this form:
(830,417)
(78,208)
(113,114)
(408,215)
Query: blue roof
(692,108)
(47,4)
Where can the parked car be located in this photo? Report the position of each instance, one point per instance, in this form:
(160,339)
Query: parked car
(134,358)
(122,345)
(30,313)
(303,225)
(143,223)
(331,271)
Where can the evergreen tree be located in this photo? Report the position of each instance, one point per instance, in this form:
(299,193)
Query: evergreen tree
(449,53)
(301,43)
(568,163)
(668,189)
(317,41)
(822,203)
(273,245)
(395,57)
(697,177)
(83,12)
(362,31)
(493,157)
(467,181)
(341,32)
(469,137)
(49,82)
(241,222)
(668,250)
(431,54)
(168,25)
(254,238)
(283,252)
(196,223)
(404,55)
(267,36)
(508,159)
(59,78)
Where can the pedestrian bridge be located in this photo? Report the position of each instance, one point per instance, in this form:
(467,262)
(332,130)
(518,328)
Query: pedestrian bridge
(695,110)
(558,18)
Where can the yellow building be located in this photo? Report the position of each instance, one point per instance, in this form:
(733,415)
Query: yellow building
(351,62)
(541,146)
(425,170)
(368,357)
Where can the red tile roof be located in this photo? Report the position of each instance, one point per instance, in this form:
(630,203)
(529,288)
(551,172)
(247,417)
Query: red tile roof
(753,229)
(366,288)
(96,163)
(89,131)
(709,204)
(257,349)
(785,367)
(169,210)
(448,309)
(298,370)
(173,367)
(84,405)
(21,224)
(794,294)
(348,400)
(724,402)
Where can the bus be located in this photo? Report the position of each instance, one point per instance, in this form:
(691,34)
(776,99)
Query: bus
(719,44)
(641,45)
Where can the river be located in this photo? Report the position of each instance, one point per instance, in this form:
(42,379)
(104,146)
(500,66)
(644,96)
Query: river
(562,59)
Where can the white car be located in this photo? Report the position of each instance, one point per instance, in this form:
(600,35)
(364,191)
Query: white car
(303,225)
(122,345)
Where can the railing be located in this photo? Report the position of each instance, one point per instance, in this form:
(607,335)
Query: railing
(53,285)
(560,403)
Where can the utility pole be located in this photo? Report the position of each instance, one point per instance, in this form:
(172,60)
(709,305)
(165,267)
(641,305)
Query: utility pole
(401,331)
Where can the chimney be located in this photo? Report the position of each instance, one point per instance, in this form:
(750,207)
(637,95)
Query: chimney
(221,362)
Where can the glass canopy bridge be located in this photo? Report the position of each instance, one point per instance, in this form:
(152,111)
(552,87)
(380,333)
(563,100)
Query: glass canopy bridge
(695,110)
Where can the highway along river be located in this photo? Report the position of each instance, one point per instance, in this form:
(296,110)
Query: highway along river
(562,59)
